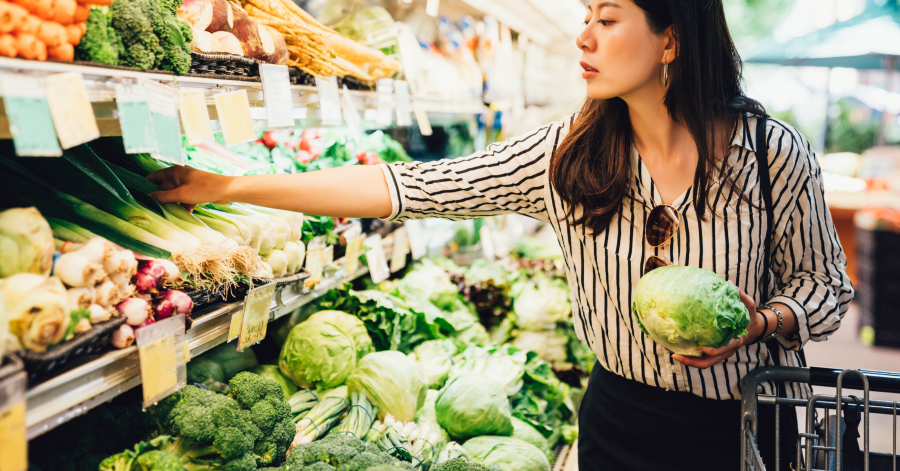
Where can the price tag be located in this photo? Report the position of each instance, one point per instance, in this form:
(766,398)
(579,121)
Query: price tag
(433,8)
(328,256)
(487,243)
(354,250)
(256,315)
(72,113)
(404,107)
(234,330)
(422,119)
(135,121)
(375,258)
(351,116)
(277,90)
(30,122)
(233,109)
(13,441)
(329,101)
(417,243)
(315,261)
(161,351)
(195,116)
(401,248)
(164,109)
(300,113)
(384,90)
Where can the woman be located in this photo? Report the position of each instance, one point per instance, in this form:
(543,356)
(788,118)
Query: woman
(666,138)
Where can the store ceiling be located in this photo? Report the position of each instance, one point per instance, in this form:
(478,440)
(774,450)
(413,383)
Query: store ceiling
(542,21)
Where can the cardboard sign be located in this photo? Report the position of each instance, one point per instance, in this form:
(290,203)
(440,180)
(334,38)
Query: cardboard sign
(30,122)
(133,107)
(73,116)
(255,319)
(161,352)
(13,439)
(195,116)
(277,90)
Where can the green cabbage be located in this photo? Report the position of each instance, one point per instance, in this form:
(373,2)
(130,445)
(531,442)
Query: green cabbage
(507,454)
(540,303)
(684,308)
(392,382)
(473,404)
(525,432)
(436,358)
(505,365)
(324,349)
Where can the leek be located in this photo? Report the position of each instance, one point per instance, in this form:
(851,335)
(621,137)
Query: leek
(230,228)
(62,232)
(278,261)
(268,232)
(282,227)
(82,232)
(295,220)
(256,230)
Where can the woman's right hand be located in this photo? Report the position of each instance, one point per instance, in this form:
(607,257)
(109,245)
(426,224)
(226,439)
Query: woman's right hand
(189,186)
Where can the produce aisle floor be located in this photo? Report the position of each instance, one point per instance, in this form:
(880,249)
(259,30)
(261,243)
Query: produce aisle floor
(844,350)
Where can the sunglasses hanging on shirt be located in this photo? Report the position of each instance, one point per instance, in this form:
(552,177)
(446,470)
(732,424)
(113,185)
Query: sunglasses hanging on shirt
(660,228)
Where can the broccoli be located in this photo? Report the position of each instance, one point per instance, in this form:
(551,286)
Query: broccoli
(341,452)
(458,464)
(320,466)
(140,45)
(270,413)
(101,42)
(158,460)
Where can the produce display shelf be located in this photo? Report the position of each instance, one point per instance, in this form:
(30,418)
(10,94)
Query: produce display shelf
(99,84)
(64,397)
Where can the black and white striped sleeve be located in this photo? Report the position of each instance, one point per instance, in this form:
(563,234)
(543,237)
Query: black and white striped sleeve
(808,261)
(508,177)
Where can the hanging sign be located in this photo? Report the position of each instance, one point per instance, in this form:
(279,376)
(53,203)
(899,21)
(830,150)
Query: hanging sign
(30,122)
(487,243)
(135,120)
(315,261)
(164,110)
(384,91)
(433,8)
(195,116)
(13,441)
(418,246)
(255,317)
(355,240)
(401,248)
(375,259)
(162,355)
(73,116)
(233,109)
(422,119)
(404,107)
(351,116)
(277,90)
(329,101)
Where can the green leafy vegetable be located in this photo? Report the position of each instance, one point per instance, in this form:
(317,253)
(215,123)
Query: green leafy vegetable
(392,382)
(473,404)
(436,359)
(684,308)
(507,454)
(525,432)
(272,372)
(324,349)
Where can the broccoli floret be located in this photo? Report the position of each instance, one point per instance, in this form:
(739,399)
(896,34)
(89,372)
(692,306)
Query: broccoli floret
(387,467)
(141,45)
(158,460)
(458,464)
(320,466)
(268,411)
(118,462)
(100,40)
(175,49)
(364,461)
(343,452)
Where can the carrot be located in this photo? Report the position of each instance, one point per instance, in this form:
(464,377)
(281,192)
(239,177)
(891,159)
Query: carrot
(11,15)
(81,13)
(52,34)
(42,9)
(26,4)
(30,47)
(95,2)
(63,52)
(7,45)
(63,11)
(74,33)
(29,25)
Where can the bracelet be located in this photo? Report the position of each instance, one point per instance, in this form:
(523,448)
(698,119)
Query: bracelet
(780,317)
(765,329)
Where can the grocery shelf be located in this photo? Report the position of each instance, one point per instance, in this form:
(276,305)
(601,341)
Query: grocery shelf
(64,397)
(99,84)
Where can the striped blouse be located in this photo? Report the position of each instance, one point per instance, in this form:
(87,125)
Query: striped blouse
(808,267)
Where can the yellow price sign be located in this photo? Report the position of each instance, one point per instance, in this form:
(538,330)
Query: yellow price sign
(158,367)
(234,330)
(256,315)
(354,250)
(315,263)
(13,439)
(72,113)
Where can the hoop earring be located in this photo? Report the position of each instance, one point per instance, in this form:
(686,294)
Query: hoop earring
(666,76)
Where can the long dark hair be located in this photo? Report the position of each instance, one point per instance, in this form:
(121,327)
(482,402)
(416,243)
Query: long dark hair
(591,169)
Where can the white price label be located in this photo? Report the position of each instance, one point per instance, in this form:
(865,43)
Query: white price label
(376,260)
(351,116)
(433,8)
(329,101)
(384,90)
(404,106)
(164,110)
(277,89)
(418,246)
(487,243)
(422,119)
(401,248)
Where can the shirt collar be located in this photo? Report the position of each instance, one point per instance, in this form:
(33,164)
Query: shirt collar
(744,139)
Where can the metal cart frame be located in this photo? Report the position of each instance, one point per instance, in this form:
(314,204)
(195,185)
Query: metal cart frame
(810,444)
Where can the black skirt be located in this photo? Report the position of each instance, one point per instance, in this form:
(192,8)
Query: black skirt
(626,425)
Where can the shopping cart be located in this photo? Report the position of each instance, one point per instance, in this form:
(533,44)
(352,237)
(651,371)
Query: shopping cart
(819,446)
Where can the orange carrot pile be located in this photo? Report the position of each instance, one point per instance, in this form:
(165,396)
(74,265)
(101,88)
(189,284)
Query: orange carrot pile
(38,29)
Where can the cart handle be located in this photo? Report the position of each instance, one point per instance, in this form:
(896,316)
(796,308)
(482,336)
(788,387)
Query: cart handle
(882,381)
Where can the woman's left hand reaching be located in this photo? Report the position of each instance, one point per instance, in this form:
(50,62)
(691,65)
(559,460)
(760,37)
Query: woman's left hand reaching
(713,356)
